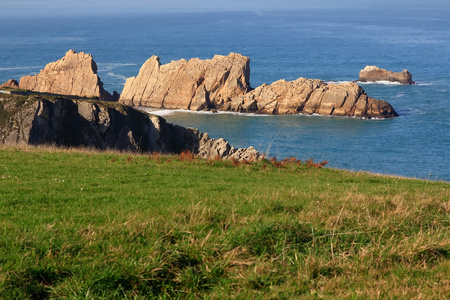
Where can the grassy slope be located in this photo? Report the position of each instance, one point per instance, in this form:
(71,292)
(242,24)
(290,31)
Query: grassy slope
(108,225)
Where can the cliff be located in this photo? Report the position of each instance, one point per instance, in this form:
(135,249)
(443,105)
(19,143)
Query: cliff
(63,121)
(223,84)
(373,74)
(220,83)
(311,96)
(74,74)
(12,83)
(194,85)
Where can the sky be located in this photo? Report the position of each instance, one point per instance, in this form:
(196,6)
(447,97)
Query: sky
(55,7)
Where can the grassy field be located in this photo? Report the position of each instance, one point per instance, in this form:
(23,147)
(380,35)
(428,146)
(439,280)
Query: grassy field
(82,224)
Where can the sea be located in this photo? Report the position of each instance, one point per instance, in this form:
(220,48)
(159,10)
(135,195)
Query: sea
(332,45)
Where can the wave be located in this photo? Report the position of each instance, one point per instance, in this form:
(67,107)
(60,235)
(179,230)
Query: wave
(383,82)
(167,112)
(110,66)
(337,81)
(119,76)
(20,68)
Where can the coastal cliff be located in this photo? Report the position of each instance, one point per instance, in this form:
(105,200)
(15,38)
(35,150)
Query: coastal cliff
(311,96)
(74,74)
(223,84)
(193,85)
(41,120)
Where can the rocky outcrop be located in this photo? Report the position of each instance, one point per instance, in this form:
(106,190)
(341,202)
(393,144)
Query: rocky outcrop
(311,96)
(12,83)
(223,84)
(193,85)
(373,74)
(70,122)
(74,74)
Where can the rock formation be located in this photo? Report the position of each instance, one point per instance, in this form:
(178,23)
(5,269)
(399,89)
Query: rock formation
(75,74)
(67,122)
(311,96)
(220,83)
(194,85)
(12,83)
(223,84)
(373,74)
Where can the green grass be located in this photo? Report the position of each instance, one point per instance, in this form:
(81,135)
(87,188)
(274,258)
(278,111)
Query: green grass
(83,224)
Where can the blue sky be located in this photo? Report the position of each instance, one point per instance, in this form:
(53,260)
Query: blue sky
(24,7)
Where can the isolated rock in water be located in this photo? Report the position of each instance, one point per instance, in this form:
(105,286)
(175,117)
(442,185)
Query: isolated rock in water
(311,96)
(75,74)
(193,85)
(12,83)
(373,74)
(94,124)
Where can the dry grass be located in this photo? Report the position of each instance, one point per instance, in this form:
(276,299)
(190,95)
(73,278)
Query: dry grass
(83,223)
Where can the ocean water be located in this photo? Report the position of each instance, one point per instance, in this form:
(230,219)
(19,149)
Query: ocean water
(331,45)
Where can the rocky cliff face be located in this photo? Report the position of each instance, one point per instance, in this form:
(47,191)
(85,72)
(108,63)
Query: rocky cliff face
(373,74)
(74,74)
(68,122)
(12,83)
(193,85)
(311,96)
(223,84)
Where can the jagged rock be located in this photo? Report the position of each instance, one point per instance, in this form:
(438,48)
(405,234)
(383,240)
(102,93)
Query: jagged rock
(373,74)
(75,74)
(311,96)
(193,85)
(211,149)
(223,84)
(12,83)
(73,123)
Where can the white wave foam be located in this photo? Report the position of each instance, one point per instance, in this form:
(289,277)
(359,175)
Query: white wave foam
(336,81)
(343,117)
(423,83)
(383,82)
(158,112)
(119,76)
(166,112)
(110,66)
(20,68)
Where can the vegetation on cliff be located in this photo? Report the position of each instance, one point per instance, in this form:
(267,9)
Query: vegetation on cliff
(84,224)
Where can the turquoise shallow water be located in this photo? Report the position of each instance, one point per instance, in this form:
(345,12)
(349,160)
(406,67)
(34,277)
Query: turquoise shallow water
(329,45)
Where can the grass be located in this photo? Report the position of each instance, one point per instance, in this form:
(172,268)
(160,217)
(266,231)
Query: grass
(85,224)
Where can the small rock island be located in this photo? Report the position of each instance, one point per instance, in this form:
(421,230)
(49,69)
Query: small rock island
(374,74)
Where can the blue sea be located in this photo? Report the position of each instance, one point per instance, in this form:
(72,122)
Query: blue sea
(331,45)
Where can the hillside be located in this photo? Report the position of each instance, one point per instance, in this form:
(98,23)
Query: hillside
(87,224)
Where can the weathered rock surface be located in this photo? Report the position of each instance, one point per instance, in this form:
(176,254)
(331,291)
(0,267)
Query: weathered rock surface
(74,74)
(12,83)
(311,96)
(193,85)
(373,74)
(74,123)
(223,84)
